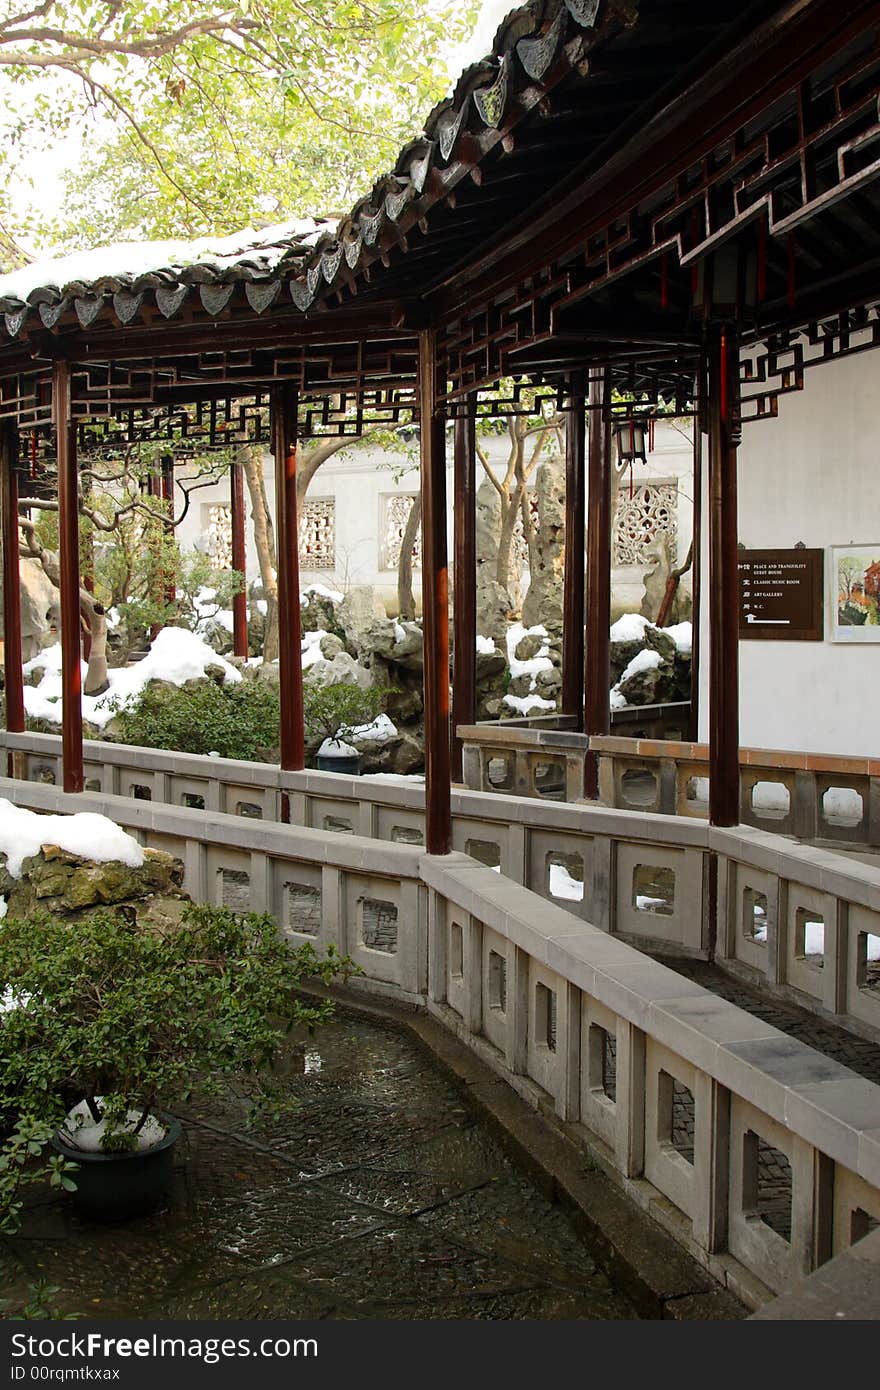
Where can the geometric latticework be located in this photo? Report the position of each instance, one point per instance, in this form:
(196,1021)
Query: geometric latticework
(397,509)
(652,510)
(317,534)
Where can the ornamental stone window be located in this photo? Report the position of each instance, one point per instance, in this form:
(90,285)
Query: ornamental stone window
(219,537)
(395,514)
(317,534)
(652,510)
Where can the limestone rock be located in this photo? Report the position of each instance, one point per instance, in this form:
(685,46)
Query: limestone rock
(357,613)
(543,602)
(489,664)
(650,687)
(66,884)
(342,668)
(40,609)
(401,755)
(320,614)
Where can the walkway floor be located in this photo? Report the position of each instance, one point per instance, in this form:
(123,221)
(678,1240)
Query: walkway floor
(383,1194)
(858,1054)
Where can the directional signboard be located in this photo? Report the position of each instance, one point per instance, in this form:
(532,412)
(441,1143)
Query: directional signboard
(780,595)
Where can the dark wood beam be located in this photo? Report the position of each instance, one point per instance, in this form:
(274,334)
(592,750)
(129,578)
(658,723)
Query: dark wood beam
(464,685)
(239,559)
(573,579)
(597,717)
(284,446)
(435,600)
(724,426)
(13,679)
(68,546)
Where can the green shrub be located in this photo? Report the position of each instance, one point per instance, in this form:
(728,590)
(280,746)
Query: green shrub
(236,721)
(333,711)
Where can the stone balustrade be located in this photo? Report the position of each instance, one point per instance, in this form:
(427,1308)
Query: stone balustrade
(761,905)
(807,795)
(760,1155)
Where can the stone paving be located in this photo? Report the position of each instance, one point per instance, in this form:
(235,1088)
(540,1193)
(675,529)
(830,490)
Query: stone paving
(381,1195)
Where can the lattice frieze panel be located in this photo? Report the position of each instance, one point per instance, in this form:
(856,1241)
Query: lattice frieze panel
(396,510)
(778,367)
(317,534)
(651,511)
(218,538)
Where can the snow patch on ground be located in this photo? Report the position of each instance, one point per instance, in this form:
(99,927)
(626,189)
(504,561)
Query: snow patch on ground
(94,837)
(177,655)
(562,885)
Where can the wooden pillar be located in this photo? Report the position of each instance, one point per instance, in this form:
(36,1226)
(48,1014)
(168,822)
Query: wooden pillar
(573,580)
(167,466)
(68,546)
(435,601)
(14,683)
(696,571)
(724,430)
(464,668)
(284,439)
(239,560)
(598,625)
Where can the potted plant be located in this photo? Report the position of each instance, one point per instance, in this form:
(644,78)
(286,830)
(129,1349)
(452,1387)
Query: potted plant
(333,715)
(108,1025)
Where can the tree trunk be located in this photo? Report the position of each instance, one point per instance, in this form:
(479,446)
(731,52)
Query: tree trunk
(97,679)
(264,541)
(406,604)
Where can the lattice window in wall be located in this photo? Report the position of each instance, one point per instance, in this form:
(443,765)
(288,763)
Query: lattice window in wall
(219,538)
(652,510)
(317,534)
(397,508)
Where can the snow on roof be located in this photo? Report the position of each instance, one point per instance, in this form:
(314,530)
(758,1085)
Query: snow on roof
(125,263)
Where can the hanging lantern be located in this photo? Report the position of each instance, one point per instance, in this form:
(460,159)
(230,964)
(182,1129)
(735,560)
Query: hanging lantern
(630,437)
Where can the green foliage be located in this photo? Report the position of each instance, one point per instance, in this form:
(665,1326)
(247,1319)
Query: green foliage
(140,1018)
(20,1152)
(236,721)
(199,117)
(334,711)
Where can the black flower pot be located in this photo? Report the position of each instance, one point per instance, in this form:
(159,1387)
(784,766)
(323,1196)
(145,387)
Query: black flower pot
(117,1186)
(349,763)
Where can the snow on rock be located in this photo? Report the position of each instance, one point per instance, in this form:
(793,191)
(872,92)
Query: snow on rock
(311,648)
(177,655)
(320,591)
(399,632)
(94,837)
(616,700)
(81,1131)
(379,730)
(645,660)
(485,646)
(541,662)
(262,606)
(629,628)
(682,635)
(525,704)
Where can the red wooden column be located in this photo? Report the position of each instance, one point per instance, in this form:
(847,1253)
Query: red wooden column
(597,718)
(573,578)
(724,434)
(284,435)
(14,683)
(435,600)
(464,667)
(68,544)
(167,467)
(696,581)
(239,560)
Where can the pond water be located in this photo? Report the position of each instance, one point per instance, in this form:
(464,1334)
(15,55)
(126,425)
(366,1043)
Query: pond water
(382,1195)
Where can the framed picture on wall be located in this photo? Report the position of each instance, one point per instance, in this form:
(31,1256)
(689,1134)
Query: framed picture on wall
(855,593)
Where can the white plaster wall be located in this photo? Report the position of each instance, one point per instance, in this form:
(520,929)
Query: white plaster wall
(360,478)
(810,475)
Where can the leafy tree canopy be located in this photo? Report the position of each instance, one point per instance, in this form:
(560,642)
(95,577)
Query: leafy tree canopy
(200,116)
